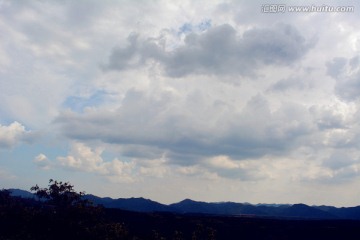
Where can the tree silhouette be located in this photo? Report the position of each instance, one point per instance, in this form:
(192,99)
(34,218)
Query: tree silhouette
(61,194)
(68,214)
(4,197)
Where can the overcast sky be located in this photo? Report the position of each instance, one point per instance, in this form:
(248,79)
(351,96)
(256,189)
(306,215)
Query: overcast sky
(208,100)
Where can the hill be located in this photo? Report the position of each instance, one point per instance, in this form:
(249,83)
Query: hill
(29,218)
(189,206)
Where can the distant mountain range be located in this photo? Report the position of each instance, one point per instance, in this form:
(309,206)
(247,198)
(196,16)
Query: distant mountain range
(189,206)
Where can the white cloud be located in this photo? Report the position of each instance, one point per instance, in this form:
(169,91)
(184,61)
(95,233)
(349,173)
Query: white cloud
(13,134)
(155,168)
(83,158)
(224,162)
(42,161)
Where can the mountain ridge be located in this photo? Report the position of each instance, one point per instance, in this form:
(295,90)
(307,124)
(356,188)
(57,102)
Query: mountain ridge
(188,206)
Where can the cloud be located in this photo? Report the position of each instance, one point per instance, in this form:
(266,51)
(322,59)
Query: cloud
(335,176)
(155,168)
(78,103)
(339,159)
(217,51)
(186,129)
(346,72)
(42,162)
(225,167)
(329,117)
(189,27)
(83,158)
(14,134)
(292,83)
(193,95)
(197,171)
(336,66)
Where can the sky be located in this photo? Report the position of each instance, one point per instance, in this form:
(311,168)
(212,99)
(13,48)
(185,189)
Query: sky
(167,100)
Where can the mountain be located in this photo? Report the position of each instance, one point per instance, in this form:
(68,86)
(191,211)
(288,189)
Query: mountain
(342,213)
(130,204)
(220,208)
(231,208)
(305,211)
(21,193)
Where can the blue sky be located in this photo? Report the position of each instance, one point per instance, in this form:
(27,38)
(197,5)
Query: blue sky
(214,101)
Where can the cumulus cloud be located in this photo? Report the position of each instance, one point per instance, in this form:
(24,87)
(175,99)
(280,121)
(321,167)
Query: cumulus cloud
(197,171)
(42,161)
(329,117)
(218,51)
(13,134)
(164,123)
(86,159)
(225,167)
(155,168)
(335,176)
(83,158)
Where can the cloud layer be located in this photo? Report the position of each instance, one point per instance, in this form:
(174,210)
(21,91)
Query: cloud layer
(218,51)
(170,100)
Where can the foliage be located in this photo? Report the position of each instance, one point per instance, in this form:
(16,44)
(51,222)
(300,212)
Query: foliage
(4,197)
(202,232)
(60,194)
(60,213)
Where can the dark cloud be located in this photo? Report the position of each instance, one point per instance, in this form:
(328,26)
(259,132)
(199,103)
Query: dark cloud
(346,72)
(217,51)
(123,58)
(349,88)
(328,118)
(338,160)
(161,123)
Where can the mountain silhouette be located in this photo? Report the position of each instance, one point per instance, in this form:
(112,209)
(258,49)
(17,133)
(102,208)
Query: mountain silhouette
(130,204)
(189,206)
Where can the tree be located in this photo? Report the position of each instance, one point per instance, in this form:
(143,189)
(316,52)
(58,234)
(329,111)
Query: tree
(61,194)
(65,214)
(5,196)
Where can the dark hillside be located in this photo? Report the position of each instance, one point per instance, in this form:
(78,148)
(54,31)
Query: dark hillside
(43,220)
(131,204)
(219,208)
(169,225)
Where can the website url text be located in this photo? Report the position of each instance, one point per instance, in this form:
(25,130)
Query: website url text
(282,8)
